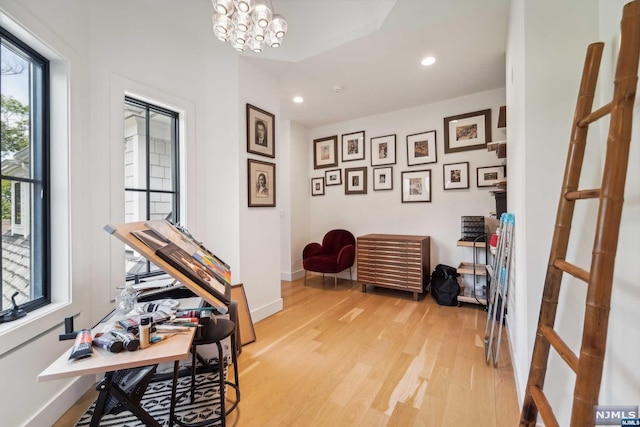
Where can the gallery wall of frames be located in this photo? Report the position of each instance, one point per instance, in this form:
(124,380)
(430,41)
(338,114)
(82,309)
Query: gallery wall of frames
(461,132)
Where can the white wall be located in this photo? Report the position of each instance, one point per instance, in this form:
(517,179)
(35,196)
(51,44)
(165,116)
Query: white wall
(621,378)
(547,45)
(383,211)
(260,226)
(36,336)
(294,213)
(112,48)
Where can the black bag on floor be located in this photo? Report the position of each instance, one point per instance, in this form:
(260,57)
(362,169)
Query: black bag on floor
(444,285)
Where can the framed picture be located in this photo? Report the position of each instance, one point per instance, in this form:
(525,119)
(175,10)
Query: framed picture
(383,178)
(317,186)
(355,180)
(261,183)
(383,150)
(416,186)
(333,177)
(455,175)
(469,131)
(490,175)
(353,146)
(421,148)
(325,152)
(261,131)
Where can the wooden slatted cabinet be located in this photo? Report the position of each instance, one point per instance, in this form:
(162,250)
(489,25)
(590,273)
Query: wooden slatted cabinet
(394,261)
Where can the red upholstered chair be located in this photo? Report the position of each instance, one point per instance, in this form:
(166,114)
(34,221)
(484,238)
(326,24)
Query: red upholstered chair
(337,253)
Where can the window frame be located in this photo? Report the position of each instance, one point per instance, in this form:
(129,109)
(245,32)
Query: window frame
(40,125)
(175,171)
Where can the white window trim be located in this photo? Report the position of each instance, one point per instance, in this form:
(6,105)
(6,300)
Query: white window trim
(121,87)
(20,332)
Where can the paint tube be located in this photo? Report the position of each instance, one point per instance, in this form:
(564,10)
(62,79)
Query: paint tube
(109,342)
(129,341)
(82,346)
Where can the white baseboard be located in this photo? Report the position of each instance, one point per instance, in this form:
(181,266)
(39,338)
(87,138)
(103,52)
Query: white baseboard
(61,402)
(299,274)
(267,310)
(291,276)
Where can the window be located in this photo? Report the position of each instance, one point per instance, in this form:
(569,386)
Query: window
(24,138)
(151,172)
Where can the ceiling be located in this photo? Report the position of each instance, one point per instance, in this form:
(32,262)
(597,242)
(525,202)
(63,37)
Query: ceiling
(372,49)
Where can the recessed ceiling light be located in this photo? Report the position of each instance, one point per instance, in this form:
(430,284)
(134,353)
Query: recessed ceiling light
(429,60)
(298,99)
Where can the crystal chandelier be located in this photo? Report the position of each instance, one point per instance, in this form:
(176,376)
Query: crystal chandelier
(248,24)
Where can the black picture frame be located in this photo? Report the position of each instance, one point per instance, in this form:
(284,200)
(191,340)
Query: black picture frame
(261,193)
(455,176)
(261,132)
(383,178)
(488,176)
(317,186)
(325,152)
(355,180)
(383,150)
(353,146)
(416,186)
(422,148)
(469,131)
(333,177)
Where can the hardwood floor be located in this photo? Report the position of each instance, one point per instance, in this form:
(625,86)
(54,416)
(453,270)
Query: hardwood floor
(346,358)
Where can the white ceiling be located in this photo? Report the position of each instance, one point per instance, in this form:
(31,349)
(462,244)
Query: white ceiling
(372,49)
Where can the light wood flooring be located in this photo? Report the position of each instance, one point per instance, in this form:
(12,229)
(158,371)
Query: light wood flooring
(346,358)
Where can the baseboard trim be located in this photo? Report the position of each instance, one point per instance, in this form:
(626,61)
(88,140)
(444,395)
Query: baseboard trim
(62,401)
(290,276)
(299,274)
(267,310)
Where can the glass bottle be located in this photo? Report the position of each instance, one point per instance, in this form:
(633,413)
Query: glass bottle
(127,300)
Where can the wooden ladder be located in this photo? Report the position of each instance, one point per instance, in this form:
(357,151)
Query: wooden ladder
(588,367)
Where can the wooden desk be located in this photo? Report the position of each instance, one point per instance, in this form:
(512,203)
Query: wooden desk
(172,349)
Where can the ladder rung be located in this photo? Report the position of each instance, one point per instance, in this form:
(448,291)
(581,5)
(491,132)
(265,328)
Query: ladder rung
(598,114)
(561,347)
(544,409)
(572,269)
(594,193)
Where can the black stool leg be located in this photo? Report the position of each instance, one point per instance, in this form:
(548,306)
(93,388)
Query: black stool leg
(223,412)
(194,362)
(172,410)
(234,359)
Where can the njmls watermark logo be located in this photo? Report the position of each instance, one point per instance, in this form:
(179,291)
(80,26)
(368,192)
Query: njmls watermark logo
(616,415)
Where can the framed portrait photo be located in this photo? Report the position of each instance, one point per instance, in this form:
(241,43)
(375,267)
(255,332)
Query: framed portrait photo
(470,131)
(260,132)
(325,152)
(383,179)
(333,177)
(353,146)
(416,186)
(355,180)
(455,176)
(421,148)
(317,186)
(261,183)
(490,175)
(383,150)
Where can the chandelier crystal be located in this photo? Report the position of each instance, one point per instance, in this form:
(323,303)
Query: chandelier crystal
(248,24)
